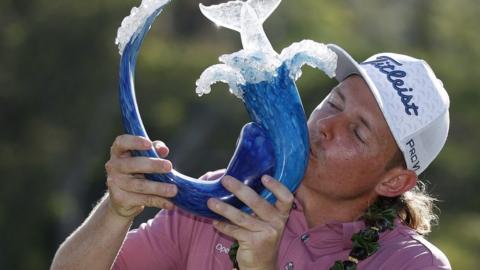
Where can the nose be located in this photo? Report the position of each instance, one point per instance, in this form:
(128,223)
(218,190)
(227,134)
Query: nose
(331,126)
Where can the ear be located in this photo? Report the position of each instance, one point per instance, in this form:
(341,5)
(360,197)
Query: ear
(396,182)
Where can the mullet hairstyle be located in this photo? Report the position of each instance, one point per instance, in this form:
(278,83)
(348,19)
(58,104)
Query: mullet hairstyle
(416,207)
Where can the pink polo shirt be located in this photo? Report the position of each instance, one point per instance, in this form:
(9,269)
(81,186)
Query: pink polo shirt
(178,240)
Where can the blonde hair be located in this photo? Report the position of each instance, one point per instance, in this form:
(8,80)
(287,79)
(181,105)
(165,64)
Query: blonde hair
(417,209)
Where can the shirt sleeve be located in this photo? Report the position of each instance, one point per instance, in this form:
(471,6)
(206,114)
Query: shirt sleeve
(417,254)
(427,261)
(428,257)
(161,243)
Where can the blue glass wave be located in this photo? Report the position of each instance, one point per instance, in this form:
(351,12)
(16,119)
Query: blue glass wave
(275,143)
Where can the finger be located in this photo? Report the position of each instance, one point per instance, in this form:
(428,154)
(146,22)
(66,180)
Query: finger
(143,186)
(263,209)
(161,148)
(231,230)
(126,142)
(134,165)
(213,175)
(153,201)
(234,215)
(284,196)
(129,199)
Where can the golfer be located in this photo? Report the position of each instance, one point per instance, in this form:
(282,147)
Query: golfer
(360,205)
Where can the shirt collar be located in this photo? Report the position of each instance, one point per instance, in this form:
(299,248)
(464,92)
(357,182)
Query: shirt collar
(332,233)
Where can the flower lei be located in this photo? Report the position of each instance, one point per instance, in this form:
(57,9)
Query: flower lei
(379,217)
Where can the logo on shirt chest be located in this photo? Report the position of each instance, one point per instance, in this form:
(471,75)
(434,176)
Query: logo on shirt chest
(220,248)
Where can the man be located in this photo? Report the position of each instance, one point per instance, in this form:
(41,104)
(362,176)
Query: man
(370,138)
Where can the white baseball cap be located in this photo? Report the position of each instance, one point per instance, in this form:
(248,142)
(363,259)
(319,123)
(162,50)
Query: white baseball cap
(412,99)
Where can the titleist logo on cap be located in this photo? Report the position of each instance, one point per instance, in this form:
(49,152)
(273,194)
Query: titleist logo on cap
(395,75)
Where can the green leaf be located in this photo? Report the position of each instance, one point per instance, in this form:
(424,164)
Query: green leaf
(337,266)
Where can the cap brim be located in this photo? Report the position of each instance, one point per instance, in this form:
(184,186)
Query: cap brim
(347,66)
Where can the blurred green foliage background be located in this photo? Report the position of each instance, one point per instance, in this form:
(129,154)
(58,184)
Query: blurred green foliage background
(59,109)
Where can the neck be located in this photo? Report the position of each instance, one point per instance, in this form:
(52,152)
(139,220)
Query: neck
(321,209)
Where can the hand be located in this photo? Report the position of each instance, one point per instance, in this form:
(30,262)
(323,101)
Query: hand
(129,190)
(258,235)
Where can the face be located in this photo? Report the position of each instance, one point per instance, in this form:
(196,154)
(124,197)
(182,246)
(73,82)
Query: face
(350,142)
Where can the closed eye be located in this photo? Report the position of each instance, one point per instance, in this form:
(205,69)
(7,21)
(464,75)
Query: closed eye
(331,104)
(357,134)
